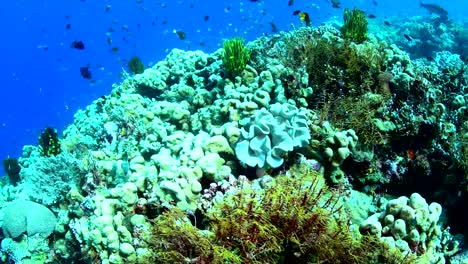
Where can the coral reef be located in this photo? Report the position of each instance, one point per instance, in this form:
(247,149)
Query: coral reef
(411,225)
(195,160)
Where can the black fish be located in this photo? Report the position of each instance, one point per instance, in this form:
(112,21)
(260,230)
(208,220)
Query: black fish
(371,16)
(335,3)
(79,45)
(85,72)
(434,9)
(205,18)
(274,29)
(180,34)
(296,12)
(68,26)
(407,37)
(291,2)
(386,23)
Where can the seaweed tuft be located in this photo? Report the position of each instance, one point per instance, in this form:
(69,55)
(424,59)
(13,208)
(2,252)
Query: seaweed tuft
(235,55)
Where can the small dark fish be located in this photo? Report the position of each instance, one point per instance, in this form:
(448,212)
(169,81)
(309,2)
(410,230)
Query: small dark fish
(67,17)
(43,47)
(374,2)
(180,34)
(85,72)
(407,37)
(108,7)
(164,22)
(114,49)
(274,29)
(291,2)
(335,3)
(205,18)
(434,9)
(386,23)
(430,58)
(68,26)
(253,0)
(192,5)
(296,12)
(371,16)
(79,45)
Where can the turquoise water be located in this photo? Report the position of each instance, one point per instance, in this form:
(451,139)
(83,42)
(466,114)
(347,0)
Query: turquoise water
(41,82)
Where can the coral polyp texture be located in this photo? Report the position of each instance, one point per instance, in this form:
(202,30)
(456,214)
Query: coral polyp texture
(324,146)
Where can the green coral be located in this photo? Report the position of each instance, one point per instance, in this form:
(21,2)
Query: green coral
(135,65)
(235,55)
(355,25)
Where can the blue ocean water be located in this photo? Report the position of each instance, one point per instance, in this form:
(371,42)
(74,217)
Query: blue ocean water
(40,72)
